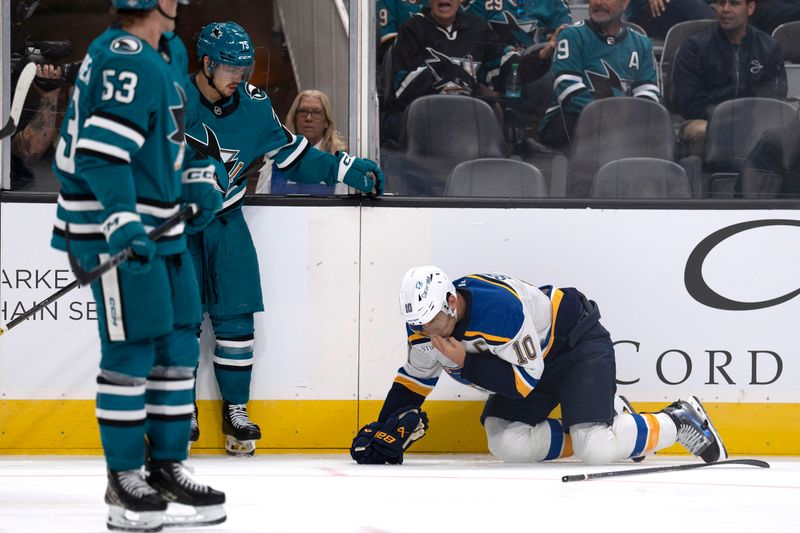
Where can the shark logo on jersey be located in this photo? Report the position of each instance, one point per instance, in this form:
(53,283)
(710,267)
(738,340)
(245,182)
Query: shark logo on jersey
(126,45)
(512,32)
(211,148)
(452,74)
(604,85)
(177,136)
(254,92)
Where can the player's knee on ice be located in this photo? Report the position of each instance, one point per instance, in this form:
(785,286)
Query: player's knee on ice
(597,443)
(517,442)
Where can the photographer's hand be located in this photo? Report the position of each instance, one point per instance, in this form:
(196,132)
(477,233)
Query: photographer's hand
(39,133)
(48,79)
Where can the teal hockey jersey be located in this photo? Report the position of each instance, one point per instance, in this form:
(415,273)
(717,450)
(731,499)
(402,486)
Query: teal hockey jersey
(121,145)
(239,131)
(392,14)
(590,66)
(519,23)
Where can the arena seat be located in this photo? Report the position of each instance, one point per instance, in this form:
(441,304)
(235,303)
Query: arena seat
(641,177)
(496,178)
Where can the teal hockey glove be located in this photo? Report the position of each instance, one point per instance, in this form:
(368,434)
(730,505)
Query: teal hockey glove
(355,172)
(124,229)
(378,443)
(200,187)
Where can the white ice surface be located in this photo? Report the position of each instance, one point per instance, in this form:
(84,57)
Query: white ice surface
(442,493)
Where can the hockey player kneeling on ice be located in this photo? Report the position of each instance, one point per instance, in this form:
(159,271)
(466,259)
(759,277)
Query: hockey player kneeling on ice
(532,348)
(233,122)
(122,168)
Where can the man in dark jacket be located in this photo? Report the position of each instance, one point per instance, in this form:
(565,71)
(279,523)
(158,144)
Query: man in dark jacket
(730,59)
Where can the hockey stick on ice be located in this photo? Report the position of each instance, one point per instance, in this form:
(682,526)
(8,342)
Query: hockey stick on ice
(20,95)
(659,469)
(84,277)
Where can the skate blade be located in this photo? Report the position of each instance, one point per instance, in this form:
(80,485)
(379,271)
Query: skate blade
(121,519)
(694,401)
(239,448)
(179,515)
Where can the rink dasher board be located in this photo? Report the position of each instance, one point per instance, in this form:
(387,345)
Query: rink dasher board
(331,336)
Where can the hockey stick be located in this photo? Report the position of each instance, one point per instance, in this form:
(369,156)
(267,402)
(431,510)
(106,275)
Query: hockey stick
(659,469)
(84,277)
(20,95)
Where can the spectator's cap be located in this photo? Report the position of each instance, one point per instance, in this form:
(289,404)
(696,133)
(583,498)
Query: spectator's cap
(225,43)
(423,293)
(139,4)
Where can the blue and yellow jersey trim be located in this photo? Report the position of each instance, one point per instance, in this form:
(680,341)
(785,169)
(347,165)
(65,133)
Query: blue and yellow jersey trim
(496,315)
(421,386)
(524,382)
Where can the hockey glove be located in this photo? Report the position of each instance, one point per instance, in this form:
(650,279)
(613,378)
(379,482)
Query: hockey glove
(354,172)
(124,229)
(378,443)
(200,187)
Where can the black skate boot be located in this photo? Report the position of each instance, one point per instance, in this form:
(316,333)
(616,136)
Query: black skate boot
(696,433)
(241,433)
(194,431)
(172,481)
(133,504)
(623,406)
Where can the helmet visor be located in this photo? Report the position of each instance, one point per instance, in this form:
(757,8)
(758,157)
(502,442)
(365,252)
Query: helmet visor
(234,72)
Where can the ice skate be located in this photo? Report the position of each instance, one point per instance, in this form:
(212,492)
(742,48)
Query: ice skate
(133,505)
(240,432)
(198,505)
(623,406)
(696,433)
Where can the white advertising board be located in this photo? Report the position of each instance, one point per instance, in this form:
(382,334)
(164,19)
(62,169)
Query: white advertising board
(330,277)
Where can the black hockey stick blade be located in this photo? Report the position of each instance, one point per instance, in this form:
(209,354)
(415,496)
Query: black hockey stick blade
(659,469)
(85,277)
(20,95)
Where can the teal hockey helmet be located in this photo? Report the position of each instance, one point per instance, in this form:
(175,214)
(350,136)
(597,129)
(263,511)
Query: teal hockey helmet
(225,43)
(139,4)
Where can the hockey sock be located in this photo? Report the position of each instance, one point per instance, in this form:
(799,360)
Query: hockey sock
(121,415)
(233,356)
(644,433)
(170,394)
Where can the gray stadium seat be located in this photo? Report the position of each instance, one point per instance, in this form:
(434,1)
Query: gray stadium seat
(672,42)
(734,128)
(793,80)
(788,34)
(641,177)
(444,130)
(617,128)
(496,178)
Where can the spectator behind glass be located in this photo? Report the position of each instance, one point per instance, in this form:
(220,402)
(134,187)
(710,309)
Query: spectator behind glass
(656,17)
(40,128)
(310,116)
(593,60)
(441,50)
(730,59)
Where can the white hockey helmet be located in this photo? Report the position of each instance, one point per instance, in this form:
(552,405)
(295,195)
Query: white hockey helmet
(423,293)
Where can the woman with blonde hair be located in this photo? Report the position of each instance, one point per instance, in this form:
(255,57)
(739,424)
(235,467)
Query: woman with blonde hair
(311,116)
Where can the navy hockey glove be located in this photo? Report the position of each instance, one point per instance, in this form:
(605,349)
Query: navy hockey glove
(355,172)
(124,229)
(378,443)
(200,187)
